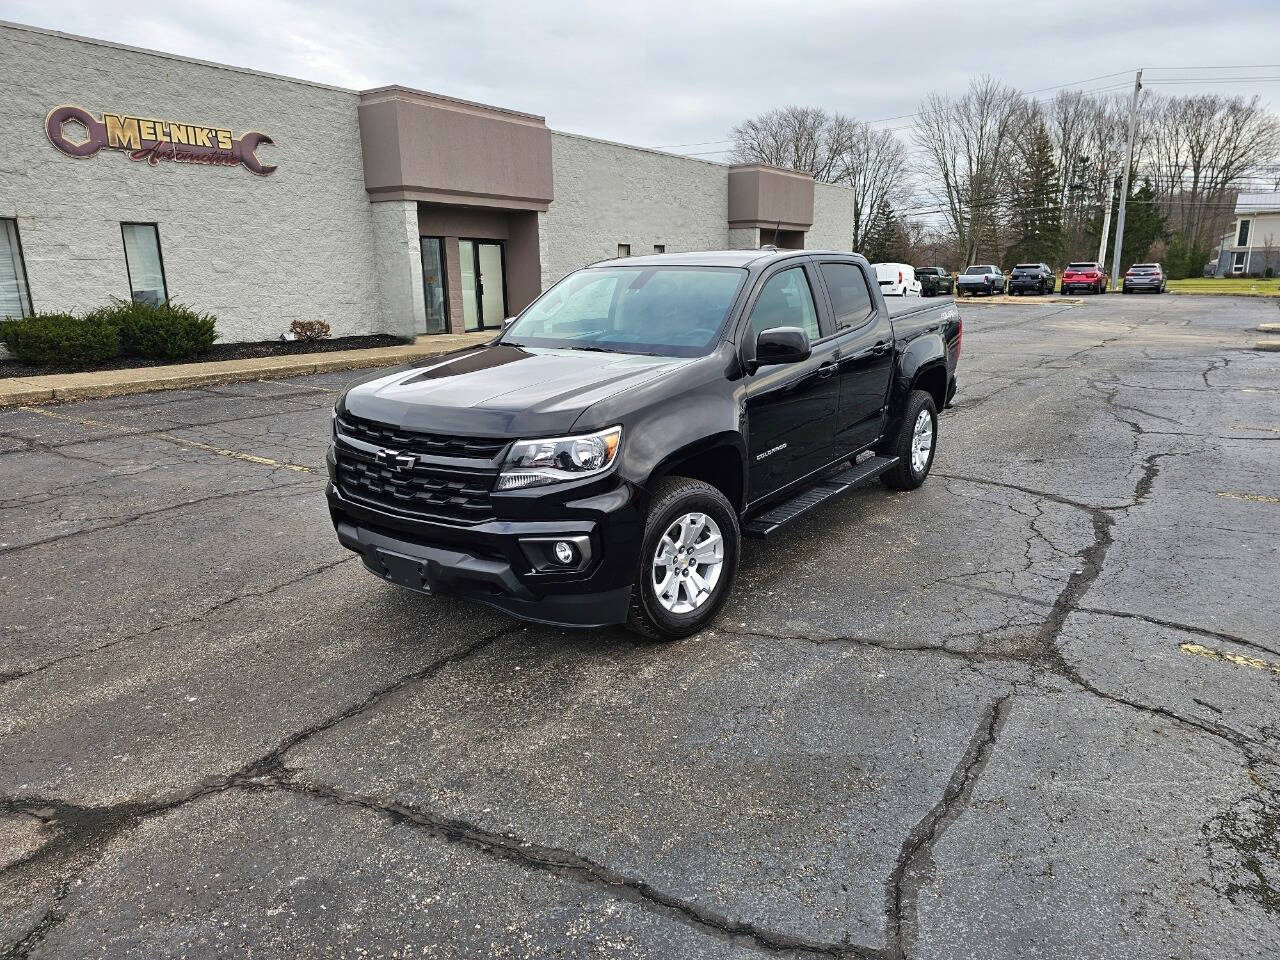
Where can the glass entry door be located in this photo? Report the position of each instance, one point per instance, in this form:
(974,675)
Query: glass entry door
(484,291)
(433,285)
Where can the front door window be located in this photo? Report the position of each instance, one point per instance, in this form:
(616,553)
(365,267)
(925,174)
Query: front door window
(484,297)
(433,286)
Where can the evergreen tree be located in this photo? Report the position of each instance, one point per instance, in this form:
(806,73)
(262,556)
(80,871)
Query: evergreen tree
(1143,226)
(886,238)
(1035,215)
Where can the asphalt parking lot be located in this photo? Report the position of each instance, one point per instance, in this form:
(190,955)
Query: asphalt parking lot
(1028,710)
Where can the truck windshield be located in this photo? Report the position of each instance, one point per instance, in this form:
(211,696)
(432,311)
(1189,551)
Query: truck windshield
(665,311)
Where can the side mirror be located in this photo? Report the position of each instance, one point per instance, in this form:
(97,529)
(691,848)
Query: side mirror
(781,345)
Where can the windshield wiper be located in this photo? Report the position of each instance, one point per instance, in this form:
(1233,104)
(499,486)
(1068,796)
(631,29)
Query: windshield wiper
(592,349)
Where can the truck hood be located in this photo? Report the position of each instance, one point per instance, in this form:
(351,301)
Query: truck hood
(497,390)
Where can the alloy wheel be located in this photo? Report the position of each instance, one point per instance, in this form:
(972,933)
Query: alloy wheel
(687,563)
(921,442)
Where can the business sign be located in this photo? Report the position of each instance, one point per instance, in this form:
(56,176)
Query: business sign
(154,141)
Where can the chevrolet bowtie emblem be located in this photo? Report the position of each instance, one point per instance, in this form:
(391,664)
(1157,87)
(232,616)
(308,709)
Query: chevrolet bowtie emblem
(395,461)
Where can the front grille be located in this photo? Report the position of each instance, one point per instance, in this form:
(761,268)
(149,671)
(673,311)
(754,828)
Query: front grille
(458,495)
(411,441)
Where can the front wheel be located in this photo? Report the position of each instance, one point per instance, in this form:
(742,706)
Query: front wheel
(915,444)
(688,559)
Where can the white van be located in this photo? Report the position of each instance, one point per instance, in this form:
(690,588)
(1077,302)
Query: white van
(897,279)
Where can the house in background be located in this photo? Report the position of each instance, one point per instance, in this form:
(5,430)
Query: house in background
(1254,245)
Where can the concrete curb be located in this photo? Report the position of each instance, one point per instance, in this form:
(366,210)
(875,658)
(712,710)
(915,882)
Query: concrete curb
(1003,299)
(1269,345)
(1269,328)
(16,391)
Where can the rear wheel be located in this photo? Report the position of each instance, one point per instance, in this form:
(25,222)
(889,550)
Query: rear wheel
(1040,288)
(914,445)
(688,559)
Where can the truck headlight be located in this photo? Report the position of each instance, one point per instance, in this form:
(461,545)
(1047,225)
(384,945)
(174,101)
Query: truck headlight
(532,463)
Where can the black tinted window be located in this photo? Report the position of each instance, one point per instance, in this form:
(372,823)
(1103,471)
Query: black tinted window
(786,301)
(850,298)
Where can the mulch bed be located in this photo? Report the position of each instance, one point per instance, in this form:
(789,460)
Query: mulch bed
(220,351)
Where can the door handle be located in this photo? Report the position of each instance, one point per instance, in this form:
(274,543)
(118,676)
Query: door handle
(881,348)
(827,369)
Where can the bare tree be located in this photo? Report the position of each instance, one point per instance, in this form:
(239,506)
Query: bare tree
(874,166)
(799,138)
(834,148)
(1200,150)
(962,140)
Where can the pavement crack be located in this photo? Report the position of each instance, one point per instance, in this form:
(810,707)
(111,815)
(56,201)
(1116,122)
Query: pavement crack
(564,862)
(147,514)
(271,764)
(914,867)
(195,618)
(80,834)
(1184,628)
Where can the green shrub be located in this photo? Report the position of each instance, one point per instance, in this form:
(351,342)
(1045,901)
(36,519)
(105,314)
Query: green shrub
(169,331)
(60,339)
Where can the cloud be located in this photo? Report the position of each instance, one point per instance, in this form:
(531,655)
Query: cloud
(679,72)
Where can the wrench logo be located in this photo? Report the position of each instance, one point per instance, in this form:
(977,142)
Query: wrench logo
(154,141)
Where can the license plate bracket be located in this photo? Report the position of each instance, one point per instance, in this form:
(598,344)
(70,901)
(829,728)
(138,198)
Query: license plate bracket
(402,570)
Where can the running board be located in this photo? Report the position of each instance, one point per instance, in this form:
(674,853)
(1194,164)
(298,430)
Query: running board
(771,521)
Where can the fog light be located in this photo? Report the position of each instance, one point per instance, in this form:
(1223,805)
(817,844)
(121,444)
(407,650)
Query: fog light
(565,552)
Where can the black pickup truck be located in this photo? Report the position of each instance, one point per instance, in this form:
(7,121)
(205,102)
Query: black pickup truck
(600,460)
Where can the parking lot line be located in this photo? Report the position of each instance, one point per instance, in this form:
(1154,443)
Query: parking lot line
(176,440)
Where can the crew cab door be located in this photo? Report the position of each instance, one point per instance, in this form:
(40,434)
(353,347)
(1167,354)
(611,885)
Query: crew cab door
(864,354)
(791,406)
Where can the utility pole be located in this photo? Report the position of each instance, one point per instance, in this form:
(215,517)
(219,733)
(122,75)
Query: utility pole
(1124,189)
(1106,224)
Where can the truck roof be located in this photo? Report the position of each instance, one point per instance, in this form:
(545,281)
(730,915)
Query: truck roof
(711,258)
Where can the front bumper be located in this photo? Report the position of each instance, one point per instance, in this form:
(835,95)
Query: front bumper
(493,562)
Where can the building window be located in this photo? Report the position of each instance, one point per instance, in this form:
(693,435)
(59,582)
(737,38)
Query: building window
(659,248)
(1242,238)
(15,297)
(624,249)
(144,264)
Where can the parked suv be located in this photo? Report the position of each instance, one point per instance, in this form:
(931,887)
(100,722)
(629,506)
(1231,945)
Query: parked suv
(1144,276)
(981,278)
(600,459)
(1085,275)
(935,281)
(1031,278)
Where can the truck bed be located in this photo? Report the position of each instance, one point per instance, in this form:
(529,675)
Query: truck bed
(911,315)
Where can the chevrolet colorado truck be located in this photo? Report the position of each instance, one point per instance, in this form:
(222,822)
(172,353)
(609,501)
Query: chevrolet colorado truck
(600,460)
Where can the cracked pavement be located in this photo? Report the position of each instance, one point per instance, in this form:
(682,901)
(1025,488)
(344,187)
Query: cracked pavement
(1030,709)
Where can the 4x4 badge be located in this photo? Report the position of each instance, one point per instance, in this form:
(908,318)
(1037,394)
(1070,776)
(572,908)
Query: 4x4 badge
(395,461)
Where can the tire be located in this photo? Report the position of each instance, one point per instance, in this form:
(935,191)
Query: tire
(988,289)
(673,499)
(904,475)
(1040,289)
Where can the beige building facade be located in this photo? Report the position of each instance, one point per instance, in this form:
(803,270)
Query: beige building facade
(263,199)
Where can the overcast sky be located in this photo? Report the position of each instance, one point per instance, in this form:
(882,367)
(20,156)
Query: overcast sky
(675,73)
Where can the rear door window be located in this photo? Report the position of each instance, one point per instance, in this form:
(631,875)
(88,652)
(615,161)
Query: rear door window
(850,296)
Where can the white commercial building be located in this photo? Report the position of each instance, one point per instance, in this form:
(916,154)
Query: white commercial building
(264,199)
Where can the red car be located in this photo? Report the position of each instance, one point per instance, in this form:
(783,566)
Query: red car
(1089,276)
